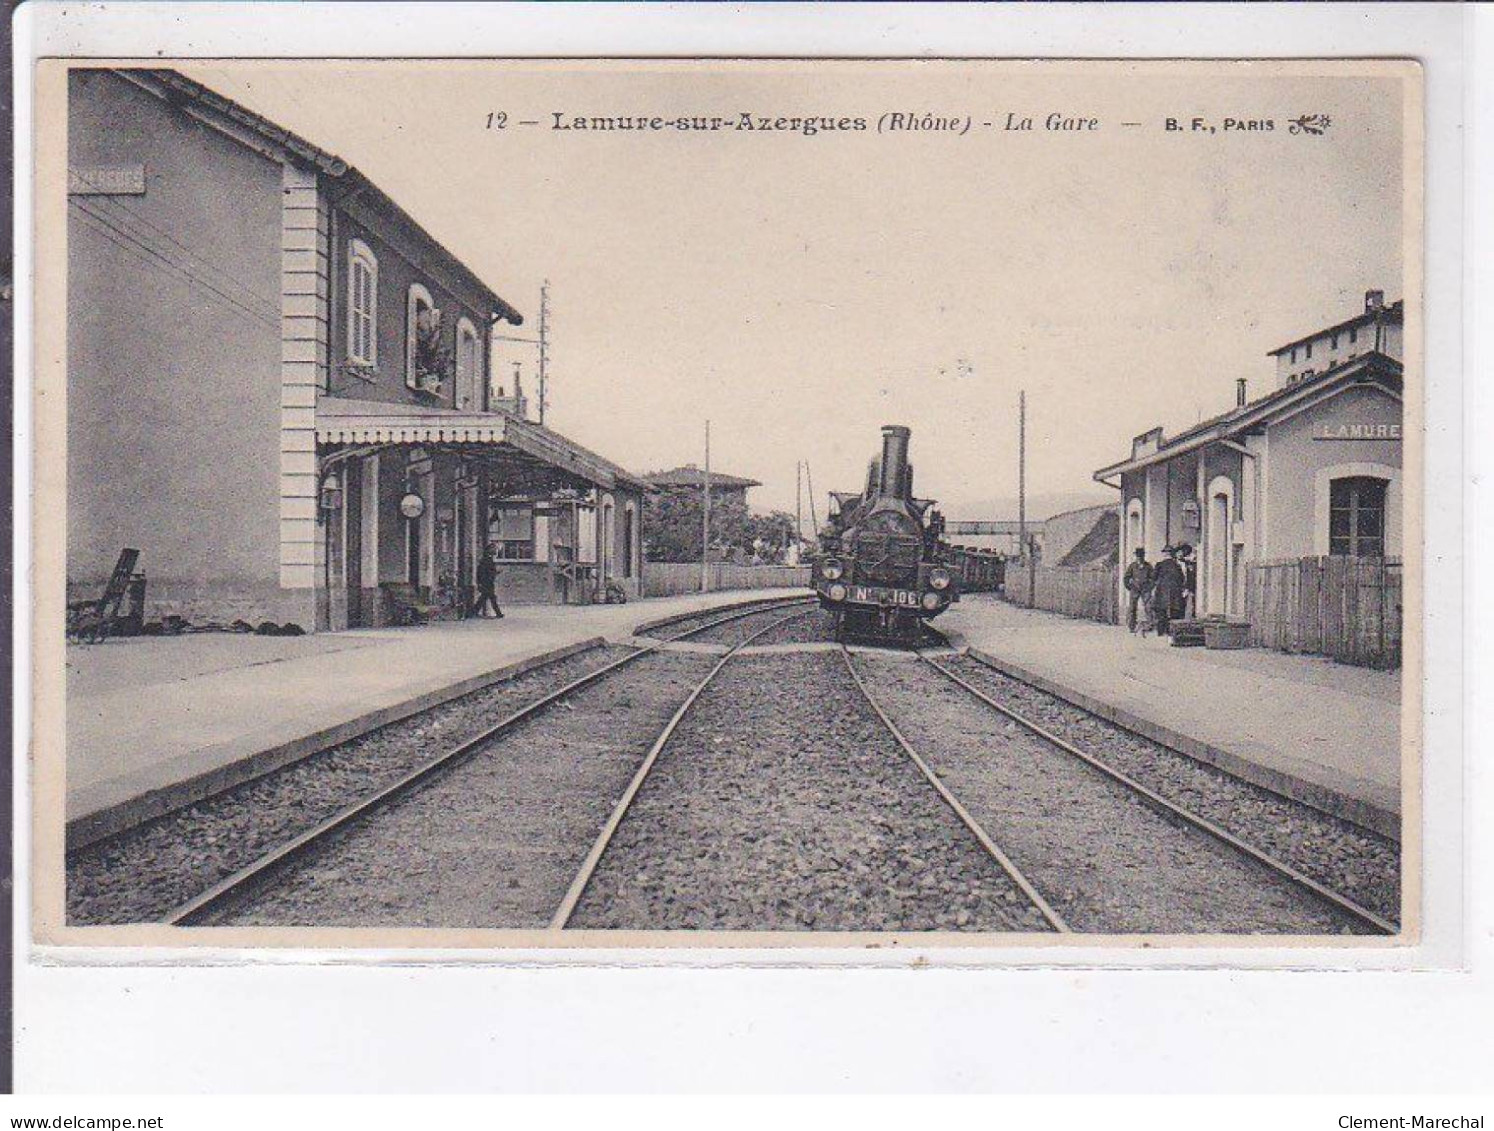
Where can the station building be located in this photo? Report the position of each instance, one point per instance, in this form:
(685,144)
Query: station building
(1310,469)
(689,478)
(279,388)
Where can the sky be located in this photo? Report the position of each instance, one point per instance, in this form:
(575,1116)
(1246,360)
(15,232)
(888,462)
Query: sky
(801,291)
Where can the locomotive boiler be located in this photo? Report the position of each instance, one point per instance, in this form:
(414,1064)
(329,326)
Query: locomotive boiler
(881,567)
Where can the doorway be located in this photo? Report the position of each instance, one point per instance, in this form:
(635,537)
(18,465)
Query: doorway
(1217,595)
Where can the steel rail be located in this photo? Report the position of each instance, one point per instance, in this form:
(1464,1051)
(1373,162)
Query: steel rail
(1281,867)
(255,875)
(599,847)
(740,613)
(1055,920)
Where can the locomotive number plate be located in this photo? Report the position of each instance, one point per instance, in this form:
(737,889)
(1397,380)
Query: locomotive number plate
(875,595)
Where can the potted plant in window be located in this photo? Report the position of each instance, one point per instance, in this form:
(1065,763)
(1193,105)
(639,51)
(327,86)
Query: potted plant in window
(434,358)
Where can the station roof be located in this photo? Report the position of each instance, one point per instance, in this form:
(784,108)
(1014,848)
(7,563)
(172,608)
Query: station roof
(265,137)
(692,476)
(1368,368)
(343,420)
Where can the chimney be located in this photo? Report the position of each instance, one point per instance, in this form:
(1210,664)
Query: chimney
(1373,301)
(1239,392)
(894,460)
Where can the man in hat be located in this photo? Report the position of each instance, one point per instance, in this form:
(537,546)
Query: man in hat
(1167,589)
(1190,578)
(1138,581)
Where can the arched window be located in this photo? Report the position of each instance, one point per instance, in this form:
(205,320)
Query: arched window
(1356,517)
(422,339)
(468,365)
(363,304)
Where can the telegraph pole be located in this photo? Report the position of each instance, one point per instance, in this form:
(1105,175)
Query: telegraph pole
(1022,490)
(544,348)
(813,519)
(798,509)
(705,511)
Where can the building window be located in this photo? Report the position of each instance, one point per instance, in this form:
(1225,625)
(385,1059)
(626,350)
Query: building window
(1353,334)
(1308,354)
(1356,517)
(511,531)
(1333,342)
(423,345)
(363,304)
(468,365)
(1294,355)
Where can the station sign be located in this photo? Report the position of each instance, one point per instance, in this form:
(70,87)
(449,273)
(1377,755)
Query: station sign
(106,180)
(1357,431)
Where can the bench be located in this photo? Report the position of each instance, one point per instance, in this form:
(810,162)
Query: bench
(408,607)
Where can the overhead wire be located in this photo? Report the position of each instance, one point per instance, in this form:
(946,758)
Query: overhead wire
(128,241)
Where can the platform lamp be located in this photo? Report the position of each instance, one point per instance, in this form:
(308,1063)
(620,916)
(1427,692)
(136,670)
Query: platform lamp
(329,495)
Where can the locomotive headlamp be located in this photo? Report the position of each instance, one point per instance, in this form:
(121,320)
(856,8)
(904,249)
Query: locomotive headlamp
(831,569)
(939,577)
(930,601)
(837,592)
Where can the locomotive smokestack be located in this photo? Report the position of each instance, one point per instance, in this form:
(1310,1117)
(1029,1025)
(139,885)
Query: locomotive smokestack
(894,460)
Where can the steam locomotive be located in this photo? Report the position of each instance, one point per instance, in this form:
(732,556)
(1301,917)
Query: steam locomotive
(882,567)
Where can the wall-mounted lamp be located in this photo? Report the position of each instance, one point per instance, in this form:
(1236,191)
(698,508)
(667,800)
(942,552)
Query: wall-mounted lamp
(329,495)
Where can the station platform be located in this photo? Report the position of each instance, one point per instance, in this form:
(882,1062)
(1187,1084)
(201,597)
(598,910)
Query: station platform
(157,722)
(1325,733)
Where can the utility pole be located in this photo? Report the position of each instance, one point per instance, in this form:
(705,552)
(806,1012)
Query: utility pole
(705,511)
(809,479)
(798,509)
(1026,551)
(544,348)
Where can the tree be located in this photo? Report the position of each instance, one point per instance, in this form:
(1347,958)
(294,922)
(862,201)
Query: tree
(672,529)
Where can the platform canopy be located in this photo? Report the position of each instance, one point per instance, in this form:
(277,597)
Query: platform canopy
(520,450)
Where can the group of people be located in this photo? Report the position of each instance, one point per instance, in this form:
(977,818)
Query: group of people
(1161,593)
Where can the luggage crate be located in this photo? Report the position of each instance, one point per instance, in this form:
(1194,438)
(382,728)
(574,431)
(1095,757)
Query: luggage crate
(1226,634)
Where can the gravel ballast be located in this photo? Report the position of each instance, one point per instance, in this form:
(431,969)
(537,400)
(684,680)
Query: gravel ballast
(497,840)
(1105,859)
(782,803)
(1343,857)
(140,875)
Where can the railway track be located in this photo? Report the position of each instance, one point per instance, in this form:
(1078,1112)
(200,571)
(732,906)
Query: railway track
(1178,871)
(1343,863)
(777,801)
(246,884)
(741,787)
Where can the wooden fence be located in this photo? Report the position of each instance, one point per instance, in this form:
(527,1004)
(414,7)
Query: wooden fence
(670,579)
(1346,608)
(1089,592)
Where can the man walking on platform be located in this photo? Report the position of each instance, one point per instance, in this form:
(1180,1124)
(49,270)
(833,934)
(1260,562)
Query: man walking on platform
(487,578)
(1138,580)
